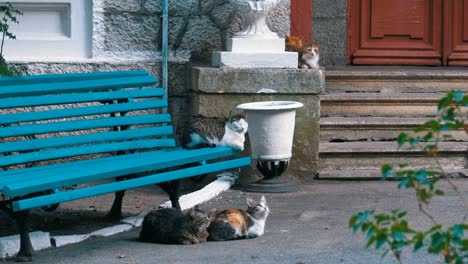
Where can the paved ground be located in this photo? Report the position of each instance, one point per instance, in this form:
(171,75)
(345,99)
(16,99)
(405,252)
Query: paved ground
(308,226)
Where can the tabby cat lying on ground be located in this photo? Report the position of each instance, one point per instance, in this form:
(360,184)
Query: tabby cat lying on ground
(169,226)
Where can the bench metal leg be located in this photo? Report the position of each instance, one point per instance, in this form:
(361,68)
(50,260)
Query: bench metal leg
(173,189)
(26,251)
(115,212)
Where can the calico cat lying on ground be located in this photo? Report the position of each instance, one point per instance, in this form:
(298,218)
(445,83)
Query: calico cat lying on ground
(238,224)
(169,226)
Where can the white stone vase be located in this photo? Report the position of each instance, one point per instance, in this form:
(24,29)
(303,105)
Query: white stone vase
(271,128)
(255,13)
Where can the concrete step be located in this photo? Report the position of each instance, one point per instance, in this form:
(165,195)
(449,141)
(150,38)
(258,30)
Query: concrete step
(373,174)
(380,105)
(338,129)
(372,155)
(395,79)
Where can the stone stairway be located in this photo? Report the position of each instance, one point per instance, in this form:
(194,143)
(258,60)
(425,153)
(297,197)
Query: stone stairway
(364,109)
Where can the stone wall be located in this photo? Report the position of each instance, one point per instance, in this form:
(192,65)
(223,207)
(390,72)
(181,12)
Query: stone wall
(127,35)
(329,29)
(196,27)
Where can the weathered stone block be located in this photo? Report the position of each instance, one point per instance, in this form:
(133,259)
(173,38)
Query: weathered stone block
(304,161)
(219,91)
(201,36)
(119,5)
(331,35)
(278,20)
(127,32)
(222,14)
(329,9)
(252,81)
(178,7)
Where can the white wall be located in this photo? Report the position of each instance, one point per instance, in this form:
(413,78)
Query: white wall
(51,29)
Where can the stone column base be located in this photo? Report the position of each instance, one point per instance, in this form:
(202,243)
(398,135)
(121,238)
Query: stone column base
(217,91)
(255,59)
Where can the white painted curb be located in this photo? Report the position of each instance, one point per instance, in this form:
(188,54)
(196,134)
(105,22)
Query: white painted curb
(224,182)
(10,245)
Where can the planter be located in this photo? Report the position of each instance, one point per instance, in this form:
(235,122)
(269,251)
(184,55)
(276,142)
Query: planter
(271,133)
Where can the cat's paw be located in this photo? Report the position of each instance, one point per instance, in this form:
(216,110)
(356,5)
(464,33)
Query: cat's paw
(304,66)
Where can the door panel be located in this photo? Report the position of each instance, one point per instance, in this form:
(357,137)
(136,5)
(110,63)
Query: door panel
(404,32)
(456,29)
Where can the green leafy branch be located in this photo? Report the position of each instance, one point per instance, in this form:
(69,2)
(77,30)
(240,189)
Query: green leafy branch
(392,230)
(9,16)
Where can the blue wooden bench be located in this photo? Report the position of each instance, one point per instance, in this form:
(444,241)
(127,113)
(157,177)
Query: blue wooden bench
(65,137)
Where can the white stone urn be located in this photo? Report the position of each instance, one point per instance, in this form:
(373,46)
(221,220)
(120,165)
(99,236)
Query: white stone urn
(271,133)
(255,13)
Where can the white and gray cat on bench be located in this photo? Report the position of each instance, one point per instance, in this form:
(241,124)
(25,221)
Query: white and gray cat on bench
(213,132)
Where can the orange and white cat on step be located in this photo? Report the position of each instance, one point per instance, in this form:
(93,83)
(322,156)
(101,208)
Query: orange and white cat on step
(308,53)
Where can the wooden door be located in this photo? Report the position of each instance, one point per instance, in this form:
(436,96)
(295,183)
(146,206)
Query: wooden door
(456,32)
(395,32)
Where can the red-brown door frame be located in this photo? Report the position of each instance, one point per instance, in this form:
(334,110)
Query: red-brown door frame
(455,44)
(301,19)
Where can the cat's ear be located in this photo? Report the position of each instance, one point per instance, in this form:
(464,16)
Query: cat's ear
(263,201)
(251,202)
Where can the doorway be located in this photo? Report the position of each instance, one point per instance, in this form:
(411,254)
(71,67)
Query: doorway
(408,32)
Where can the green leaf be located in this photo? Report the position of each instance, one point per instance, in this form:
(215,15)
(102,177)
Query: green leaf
(386,170)
(433,124)
(418,245)
(458,96)
(439,192)
(381,239)
(401,214)
(444,102)
(458,230)
(402,137)
(404,183)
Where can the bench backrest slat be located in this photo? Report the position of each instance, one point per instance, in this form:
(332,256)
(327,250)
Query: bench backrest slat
(52,117)
(86,124)
(50,78)
(81,111)
(76,86)
(85,150)
(43,100)
(44,143)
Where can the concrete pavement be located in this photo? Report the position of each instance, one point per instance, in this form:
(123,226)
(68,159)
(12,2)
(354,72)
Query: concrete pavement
(308,226)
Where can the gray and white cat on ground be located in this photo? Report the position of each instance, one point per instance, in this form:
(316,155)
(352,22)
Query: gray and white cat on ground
(213,132)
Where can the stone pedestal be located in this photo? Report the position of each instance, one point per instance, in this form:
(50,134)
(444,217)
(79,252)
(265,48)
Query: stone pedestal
(254,59)
(255,53)
(217,91)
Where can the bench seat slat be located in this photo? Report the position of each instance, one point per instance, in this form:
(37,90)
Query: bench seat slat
(81,111)
(55,142)
(42,100)
(66,77)
(31,172)
(76,86)
(85,150)
(83,125)
(91,173)
(128,184)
